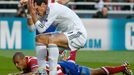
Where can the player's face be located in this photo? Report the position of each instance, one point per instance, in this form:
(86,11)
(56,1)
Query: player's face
(41,10)
(20,63)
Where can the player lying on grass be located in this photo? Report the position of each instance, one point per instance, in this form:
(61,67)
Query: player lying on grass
(29,66)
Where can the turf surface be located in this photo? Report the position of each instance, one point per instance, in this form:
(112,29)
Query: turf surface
(92,59)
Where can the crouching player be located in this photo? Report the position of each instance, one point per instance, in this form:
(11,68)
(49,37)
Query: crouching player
(29,66)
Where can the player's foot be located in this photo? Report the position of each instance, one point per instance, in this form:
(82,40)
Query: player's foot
(127,70)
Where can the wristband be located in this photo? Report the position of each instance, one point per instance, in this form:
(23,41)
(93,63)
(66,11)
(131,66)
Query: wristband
(32,27)
(29,16)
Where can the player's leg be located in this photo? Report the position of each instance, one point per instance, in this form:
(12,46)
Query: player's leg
(76,40)
(53,41)
(53,38)
(72,56)
(125,68)
(41,53)
(72,40)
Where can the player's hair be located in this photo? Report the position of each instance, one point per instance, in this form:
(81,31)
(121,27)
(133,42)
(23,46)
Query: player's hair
(39,2)
(18,54)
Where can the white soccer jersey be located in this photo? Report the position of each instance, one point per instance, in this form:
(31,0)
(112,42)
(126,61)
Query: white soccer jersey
(66,21)
(63,18)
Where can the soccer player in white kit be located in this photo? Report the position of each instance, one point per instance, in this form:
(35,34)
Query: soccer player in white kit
(40,52)
(63,54)
(71,33)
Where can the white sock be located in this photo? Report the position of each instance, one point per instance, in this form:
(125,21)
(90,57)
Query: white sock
(53,58)
(41,55)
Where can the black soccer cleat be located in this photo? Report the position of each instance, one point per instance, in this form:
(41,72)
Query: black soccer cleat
(127,70)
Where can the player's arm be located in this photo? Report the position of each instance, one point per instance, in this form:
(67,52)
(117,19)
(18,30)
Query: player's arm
(43,23)
(31,16)
(30,23)
(32,10)
(34,67)
(35,20)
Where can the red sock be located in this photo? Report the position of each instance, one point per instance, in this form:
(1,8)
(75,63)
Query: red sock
(72,56)
(112,70)
(47,56)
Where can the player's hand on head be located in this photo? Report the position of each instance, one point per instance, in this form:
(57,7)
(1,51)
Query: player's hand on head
(31,6)
(23,2)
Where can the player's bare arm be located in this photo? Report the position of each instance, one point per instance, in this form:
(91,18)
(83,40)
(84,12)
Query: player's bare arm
(32,10)
(29,17)
(30,23)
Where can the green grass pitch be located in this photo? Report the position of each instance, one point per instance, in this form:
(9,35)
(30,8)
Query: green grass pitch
(91,59)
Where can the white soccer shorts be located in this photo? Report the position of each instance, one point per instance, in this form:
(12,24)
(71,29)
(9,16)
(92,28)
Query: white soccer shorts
(76,39)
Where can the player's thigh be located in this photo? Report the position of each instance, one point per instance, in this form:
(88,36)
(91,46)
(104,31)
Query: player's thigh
(59,39)
(97,71)
(84,70)
(53,38)
(42,38)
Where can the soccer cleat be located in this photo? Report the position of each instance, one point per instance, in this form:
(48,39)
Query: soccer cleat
(127,70)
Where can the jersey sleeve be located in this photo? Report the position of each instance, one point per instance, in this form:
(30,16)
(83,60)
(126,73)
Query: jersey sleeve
(33,64)
(43,24)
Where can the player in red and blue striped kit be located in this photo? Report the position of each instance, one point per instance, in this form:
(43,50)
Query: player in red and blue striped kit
(29,66)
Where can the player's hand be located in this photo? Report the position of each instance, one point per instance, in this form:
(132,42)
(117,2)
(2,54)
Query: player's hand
(31,7)
(32,10)
(23,2)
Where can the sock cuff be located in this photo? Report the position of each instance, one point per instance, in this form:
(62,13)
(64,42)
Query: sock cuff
(40,44)
(52,45)
(105,70)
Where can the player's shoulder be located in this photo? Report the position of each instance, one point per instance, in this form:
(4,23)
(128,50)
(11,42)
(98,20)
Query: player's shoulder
(30,58)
